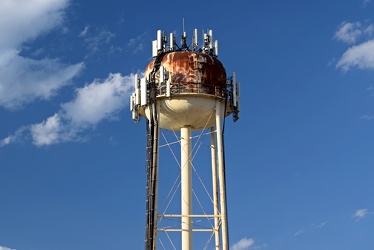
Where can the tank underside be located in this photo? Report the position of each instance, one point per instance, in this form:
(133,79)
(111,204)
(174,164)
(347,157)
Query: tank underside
(195,111)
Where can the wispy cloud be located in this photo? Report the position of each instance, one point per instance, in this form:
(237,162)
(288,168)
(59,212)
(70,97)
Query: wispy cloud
(84,32)
(297,233)
(367,117)
(97,39)
(136,44)
(6,141)
(314,226)
(365,2)
(93,103)
(22,79)
(243,244)
(321,225)
(15,138)
(360,214)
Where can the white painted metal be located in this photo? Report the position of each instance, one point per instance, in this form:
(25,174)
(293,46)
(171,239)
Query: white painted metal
(186,188)
(136,81)
(159,40)
(168,86)
(192,110)
(172,45)
(195,39)
(178,230)
(213,149)
(154,48)
(162,74)
(234,95)
(132,102)
(191,215)
(143,92)
(221,175)
(216,47)
(137,89)
(210,39)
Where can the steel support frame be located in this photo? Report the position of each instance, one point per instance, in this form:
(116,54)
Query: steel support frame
(220,229)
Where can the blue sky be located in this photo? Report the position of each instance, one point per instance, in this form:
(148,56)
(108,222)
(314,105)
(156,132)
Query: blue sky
(300,160)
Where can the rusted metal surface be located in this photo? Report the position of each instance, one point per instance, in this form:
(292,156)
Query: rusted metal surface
(193,72)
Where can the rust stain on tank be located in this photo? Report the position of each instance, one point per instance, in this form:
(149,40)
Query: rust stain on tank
(194,68)
(186,67)
(193,72)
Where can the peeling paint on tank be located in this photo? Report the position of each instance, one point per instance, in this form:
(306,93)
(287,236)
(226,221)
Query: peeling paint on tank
(192,71)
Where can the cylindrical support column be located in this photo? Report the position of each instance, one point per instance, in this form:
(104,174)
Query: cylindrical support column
(221,175)
(155,159)
(213,149)
(186,188)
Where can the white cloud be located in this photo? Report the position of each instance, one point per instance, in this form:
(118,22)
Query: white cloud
(21,21)
(322,224)
(365,2)
(243,244)
(298,232)
(6,248)
(84,32)
(369,29)
(348,32)
(98,40)
(22,79)
(136,44)
(361,56)
(367,117)
(360,214)
(6,141)
(47,132)
(16,137)
(310,228)
(97,101)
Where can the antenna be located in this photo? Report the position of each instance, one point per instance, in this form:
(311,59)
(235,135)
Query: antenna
(195,40)
(159,40)
(210,33)
(184,37)
(216,48)
(183,24)
(172,41)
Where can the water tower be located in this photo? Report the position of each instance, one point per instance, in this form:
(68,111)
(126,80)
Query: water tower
(185,90)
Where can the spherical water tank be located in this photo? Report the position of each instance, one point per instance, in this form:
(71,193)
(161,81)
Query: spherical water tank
(197,82)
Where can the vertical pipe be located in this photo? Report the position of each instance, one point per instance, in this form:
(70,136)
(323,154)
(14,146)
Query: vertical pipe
(186,188)
(221,175)
(149,221)
(155,163)
(213,147)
